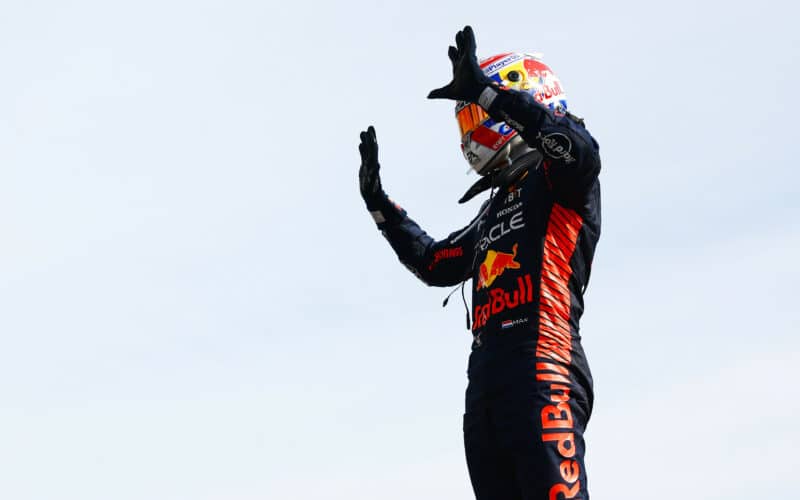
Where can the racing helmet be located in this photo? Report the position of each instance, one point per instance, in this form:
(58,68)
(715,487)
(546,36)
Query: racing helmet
(486,143)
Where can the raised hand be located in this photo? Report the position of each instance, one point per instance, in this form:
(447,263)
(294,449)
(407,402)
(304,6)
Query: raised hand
(369,174)
(468,79)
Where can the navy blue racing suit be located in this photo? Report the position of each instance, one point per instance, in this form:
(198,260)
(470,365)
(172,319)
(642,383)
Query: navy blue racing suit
(529,253)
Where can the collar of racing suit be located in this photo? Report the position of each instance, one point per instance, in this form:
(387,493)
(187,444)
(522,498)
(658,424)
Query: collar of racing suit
(504,176)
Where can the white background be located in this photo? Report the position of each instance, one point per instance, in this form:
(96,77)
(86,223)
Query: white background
(194,303)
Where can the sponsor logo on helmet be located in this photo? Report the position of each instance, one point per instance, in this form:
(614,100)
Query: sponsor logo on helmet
(494,265)
(471,156)
(495,66)
(492,134)
(556,145)
(488,138)
(546,92)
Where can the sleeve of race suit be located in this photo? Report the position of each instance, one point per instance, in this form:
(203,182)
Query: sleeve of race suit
(571,155)
(447,262)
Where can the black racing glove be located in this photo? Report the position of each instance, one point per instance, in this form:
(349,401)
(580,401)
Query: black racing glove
(468,79)
(368,175)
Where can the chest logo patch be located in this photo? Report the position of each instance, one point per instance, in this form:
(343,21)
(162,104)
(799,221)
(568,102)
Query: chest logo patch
(501,229)
(494,265)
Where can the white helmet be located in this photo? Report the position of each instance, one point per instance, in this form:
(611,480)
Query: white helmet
(486,143)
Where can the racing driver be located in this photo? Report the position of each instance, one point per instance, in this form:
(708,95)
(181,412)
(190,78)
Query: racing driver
(529,254)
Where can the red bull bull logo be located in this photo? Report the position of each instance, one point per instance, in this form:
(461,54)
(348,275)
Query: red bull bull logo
(494,265)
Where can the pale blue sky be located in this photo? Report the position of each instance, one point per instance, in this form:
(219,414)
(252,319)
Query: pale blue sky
(195,304)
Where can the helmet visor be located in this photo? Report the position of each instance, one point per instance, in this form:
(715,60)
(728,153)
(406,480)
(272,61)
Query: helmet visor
(469,118)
